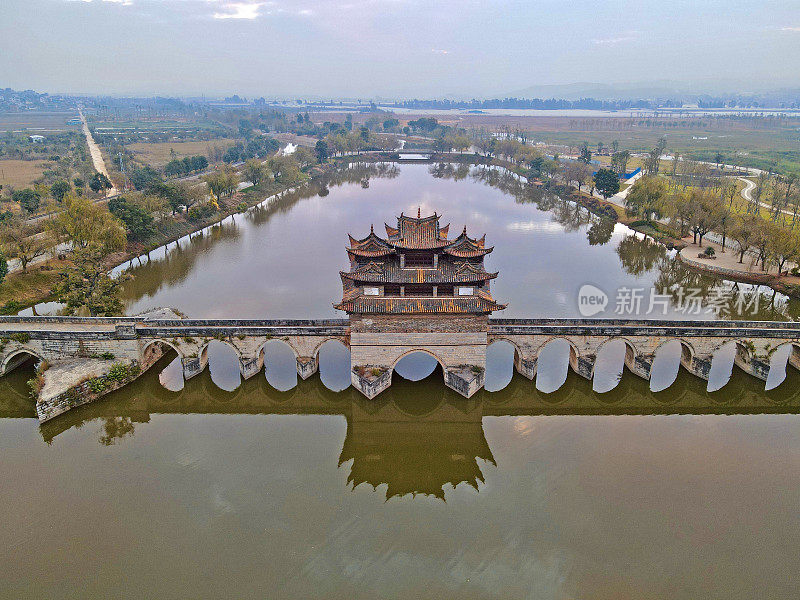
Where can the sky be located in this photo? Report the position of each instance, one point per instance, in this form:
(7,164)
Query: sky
(392,48)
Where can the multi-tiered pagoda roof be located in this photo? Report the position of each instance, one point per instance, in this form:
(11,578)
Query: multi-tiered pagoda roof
(416,268)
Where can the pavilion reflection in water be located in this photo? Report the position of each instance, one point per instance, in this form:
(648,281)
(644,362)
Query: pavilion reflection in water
(418,438)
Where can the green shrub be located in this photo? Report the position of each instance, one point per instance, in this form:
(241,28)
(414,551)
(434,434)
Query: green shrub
(36,384)
(197,213)
(118,372)
(21,337)
(11,307)
(97,384)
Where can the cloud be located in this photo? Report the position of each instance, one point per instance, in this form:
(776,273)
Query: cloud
(613,41)
(440,51)
(329,12)
(239,10)
(792,29)
(121,2)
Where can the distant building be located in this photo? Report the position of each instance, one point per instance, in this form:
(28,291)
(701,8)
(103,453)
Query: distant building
(36,139)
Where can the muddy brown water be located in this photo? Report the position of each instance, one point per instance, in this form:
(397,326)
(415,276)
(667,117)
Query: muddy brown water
(274,488)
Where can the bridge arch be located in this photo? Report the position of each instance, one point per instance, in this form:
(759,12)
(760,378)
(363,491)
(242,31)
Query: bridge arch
(662,375)
(333,364)
(413,351)
(16,358)
(574,353)
(630,351)
(260,351)
(781,357)
(687,354)
(318,347)
(721,369)
(549,381)
(281,370)
(202,351)
(502,356)
(172,377)
(510,340)
(227,377)
(608,381)
(149,355)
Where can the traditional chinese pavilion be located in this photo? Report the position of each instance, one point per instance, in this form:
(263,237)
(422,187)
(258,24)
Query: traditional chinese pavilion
(417,290)
(417,270)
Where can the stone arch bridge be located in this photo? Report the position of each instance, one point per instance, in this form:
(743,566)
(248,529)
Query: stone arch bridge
(81,359)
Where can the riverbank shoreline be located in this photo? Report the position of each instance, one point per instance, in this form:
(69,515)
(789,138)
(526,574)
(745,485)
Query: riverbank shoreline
(186,229)
(784,284)
(48,275)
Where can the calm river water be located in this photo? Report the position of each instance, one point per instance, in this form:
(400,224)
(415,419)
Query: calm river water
(273,488)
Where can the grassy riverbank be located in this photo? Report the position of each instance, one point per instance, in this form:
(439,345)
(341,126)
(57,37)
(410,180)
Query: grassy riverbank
(22,290)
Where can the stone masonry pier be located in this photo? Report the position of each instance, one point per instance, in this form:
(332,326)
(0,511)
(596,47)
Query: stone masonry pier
(109,352)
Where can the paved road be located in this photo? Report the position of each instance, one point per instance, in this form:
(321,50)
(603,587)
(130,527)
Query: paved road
(747,194)
(747,191)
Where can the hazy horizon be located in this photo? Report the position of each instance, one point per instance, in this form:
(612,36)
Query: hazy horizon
(393,48)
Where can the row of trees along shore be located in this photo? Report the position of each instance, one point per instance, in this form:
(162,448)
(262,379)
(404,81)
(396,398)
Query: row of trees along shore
(89,235)
(771,239)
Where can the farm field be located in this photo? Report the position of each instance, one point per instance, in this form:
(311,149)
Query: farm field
(37,121)
(159,154)
(20,173)
(765,143)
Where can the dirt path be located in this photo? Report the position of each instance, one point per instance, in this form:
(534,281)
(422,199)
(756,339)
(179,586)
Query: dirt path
(97,156)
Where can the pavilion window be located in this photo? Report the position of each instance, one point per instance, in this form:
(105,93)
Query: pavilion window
(419,290)
(466,291)
(391,290)
(419,260)
(444,290)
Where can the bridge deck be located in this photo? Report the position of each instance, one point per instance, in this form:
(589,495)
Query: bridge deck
(105,327)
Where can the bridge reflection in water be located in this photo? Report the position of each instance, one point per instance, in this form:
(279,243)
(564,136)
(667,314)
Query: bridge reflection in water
(417,438)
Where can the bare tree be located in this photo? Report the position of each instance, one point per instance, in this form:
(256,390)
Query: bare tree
(20,240)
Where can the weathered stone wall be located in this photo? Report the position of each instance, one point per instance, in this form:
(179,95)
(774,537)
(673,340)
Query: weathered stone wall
(417,323)
(50,406)
(458,343)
